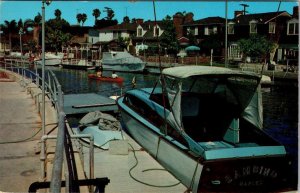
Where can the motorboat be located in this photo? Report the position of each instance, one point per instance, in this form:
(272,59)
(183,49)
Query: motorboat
(105,78)
(205,126)
(122,61)
(50,59)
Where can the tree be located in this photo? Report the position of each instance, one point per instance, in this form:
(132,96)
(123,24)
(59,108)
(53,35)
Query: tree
(56,34)
(79,18)
(256,46)
(126,19)
(84,18)
(213,41)
(168,39)
(57,14)
(133,20)
(36,28)
(31,45)
(55,39)
(123,42)
(96,14)
(110,13)
(10,28)
(20,24)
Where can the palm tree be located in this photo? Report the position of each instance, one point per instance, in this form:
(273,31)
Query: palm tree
(57,14)
(96,14)
(79,18)
(11,28)
(84,18)
(110,13)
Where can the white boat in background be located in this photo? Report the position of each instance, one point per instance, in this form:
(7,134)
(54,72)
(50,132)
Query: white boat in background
(122,61)
(81,64)
(205,126)
(51,59)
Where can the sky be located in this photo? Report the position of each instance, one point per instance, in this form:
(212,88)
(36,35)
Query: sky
(16,10)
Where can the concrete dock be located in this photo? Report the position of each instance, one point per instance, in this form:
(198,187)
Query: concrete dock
(20,132)
(133,161)
(20,135)
(20,126)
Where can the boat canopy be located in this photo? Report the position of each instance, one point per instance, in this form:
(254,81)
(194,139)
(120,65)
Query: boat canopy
(241,89)
(187,71)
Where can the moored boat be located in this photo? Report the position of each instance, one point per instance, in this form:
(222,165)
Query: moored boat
(50,59)
(106,78)
(204,125)
(122,61)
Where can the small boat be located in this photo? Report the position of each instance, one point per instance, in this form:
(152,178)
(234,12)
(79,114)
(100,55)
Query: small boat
(106,78)
(122,61)
(204,125)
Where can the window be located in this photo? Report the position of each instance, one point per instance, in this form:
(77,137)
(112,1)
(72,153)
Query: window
(116,35)
(139,32)
(230,28)
(206,31)
(253,27)
(188,31)
(196,31)
(272,27)
(156,31)
(293,27)
(215,30)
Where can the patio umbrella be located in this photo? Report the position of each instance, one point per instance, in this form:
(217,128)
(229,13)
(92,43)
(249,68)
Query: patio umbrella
(142,47)
(192,48)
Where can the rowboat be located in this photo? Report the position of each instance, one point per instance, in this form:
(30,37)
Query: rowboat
(205,126)
(106,78)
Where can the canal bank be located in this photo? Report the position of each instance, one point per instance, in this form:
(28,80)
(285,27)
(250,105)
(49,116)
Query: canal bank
(278,73)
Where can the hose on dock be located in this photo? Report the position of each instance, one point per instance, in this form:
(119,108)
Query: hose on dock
(152,169)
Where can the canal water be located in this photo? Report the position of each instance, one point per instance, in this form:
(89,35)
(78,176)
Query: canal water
(280,102)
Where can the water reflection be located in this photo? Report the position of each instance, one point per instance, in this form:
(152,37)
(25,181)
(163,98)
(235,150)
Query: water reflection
(280,103)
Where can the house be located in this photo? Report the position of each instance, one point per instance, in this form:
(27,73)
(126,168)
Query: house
(93,35)
(272,25)
(208,33)
(288,43)
(112,34)
(148,32)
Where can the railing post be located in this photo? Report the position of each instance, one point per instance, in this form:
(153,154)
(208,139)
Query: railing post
(55,185)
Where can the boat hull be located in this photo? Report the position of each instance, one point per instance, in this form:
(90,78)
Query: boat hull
(122,61)
(124,67)
(106,79)
(174,160)
(244,174)
(50,62)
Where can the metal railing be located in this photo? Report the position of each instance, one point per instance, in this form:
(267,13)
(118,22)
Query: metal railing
(64,149)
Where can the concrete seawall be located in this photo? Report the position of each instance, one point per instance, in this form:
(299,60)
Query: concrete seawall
(21,131)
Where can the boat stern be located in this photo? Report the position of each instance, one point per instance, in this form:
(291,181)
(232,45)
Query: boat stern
(265,174)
